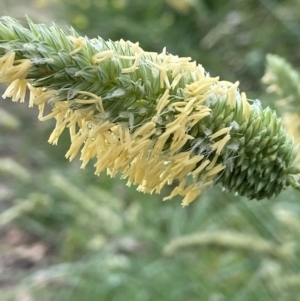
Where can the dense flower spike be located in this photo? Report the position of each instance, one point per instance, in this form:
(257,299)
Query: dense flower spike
(155,118)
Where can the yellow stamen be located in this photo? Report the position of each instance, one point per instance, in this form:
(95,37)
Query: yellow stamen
(218,146)
(220,132)
(162,102)
(191,195)
(134,67)
(79,44)
(144,129)
(16,90)
(199,169)
(176,80)
(212,163)
(95,98)
(215,170)
(246,106)
(102,56)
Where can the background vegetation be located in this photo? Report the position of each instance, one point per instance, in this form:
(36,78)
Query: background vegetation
(66,234)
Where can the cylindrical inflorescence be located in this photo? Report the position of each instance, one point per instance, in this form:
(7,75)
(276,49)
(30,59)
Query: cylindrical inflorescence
(156,118)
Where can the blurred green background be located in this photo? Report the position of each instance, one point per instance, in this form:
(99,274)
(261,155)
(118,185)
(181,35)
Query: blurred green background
(66,234)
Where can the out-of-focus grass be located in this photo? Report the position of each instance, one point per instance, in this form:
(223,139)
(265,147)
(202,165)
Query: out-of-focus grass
(130,263)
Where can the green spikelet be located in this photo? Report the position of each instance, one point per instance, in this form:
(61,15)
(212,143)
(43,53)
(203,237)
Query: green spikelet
(154,118)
